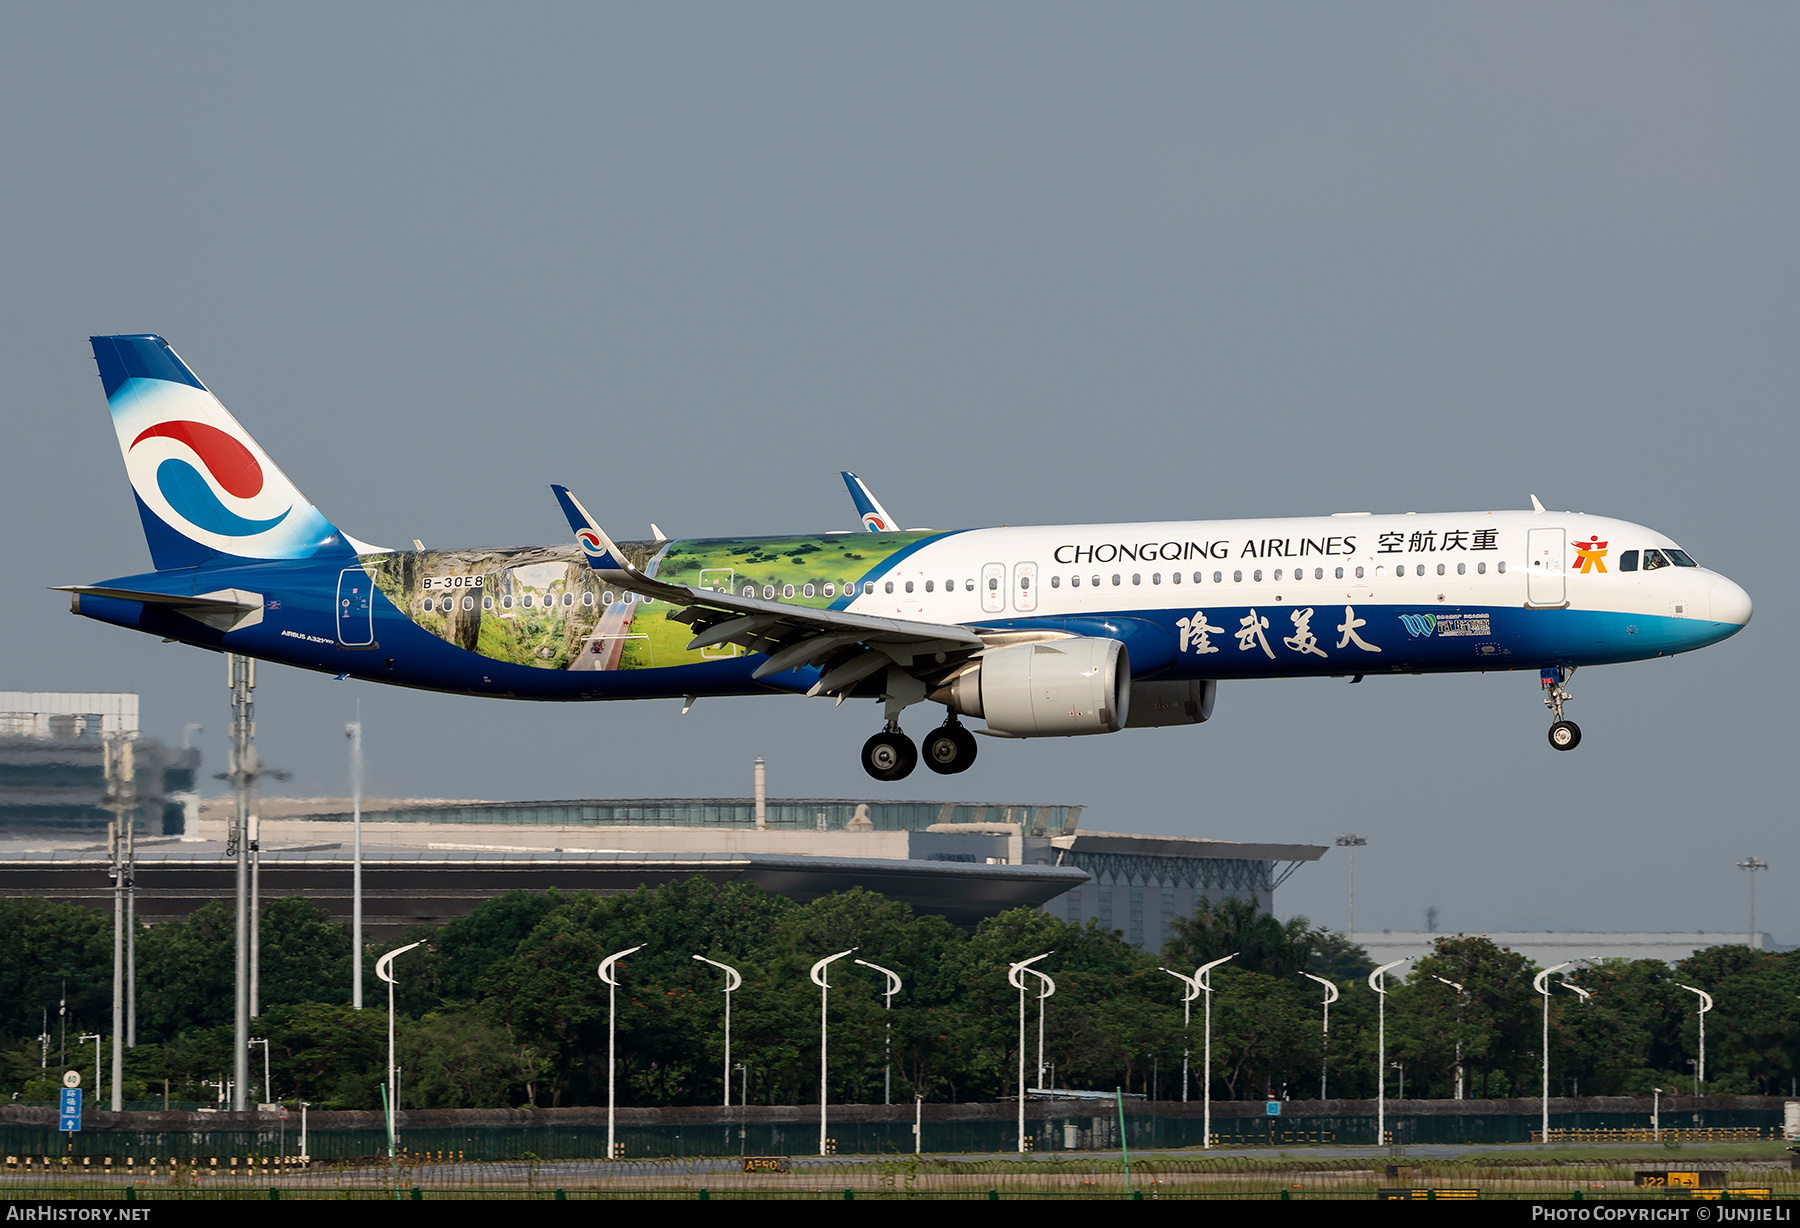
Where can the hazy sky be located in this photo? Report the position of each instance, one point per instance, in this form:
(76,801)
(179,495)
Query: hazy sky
(1014,264)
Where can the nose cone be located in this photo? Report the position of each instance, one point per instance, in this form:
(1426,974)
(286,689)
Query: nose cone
(1730,603)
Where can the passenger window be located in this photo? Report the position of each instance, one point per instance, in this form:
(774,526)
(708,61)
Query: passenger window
(787,590)
(869,588)
(1136,578)
(1440,569)
(1094,580)
(1237,577)
(506,603)
(1340,573)
(608,598)
(1055,581)
(430,605)
(768,592)
(1462,569)
(587,599)
(749,590)
(527,601)
(1277,574)
(1156,577)
(1481,569)
(1628,561)
(1024,583)
(909,586)
(831,590)
(1258,576)
(928,587)
(1115,579)
(1500,567)
(1175,577)
(889,586)
(468,603)
(487,603)
(1074,581)
(1359,573)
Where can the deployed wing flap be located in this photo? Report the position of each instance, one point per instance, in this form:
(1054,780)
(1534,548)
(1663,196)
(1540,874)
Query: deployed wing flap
(793,635)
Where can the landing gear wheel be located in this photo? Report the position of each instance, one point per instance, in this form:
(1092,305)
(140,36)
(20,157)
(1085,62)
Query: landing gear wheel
(949,749)
(1565,735)
(889,755)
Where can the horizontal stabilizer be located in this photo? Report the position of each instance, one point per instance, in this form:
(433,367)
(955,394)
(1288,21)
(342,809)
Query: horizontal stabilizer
(228,609)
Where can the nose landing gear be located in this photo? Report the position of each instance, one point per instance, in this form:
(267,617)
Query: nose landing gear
(1564,735)
(950,748)
(890,754)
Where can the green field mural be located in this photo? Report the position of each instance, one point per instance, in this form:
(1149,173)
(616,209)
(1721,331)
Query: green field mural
(544,607)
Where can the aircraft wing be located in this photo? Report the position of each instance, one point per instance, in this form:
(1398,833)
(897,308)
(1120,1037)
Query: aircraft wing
(854,646)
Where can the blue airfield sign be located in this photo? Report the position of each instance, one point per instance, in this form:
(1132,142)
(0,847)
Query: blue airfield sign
(69,1115)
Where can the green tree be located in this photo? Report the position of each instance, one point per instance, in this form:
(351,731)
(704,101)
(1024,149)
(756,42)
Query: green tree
(1256,941)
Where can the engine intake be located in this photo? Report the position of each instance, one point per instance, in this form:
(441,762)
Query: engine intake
(1048,689)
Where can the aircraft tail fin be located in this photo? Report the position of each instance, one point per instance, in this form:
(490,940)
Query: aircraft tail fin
(205,489)
(875,518)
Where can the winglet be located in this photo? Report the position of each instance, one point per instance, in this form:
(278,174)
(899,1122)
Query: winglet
(602,555)
(875,517)
(1535,505)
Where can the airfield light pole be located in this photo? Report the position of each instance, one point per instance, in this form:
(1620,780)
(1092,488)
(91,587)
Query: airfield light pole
(1190,990)
(1378,982)
(1044,991)
(384,968)
(264,1042)
(240,672)
(1706,1004)
(820,972)
(893,987)
(1203,978)
(121,799)
(1753,864)
(732,981)
(1540,982)
(1464,994)
(1015,976)
(1331,995)
(612,1063)
(353,731)
(1352,842)
(95,1037)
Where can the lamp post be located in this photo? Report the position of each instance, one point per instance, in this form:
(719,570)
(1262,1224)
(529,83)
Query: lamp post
(95,1037)
(1203,978)
(1753,864)
(1189,991)
(1015,975)
(893,987)
(384,968)
(1464,994)
(732,981)
(264,1042)
(820,973)
(1656,1114)
(1352,842)
(353,731)
(1378,982)
(1331,995)
(1540,982)
(1706,1004)
(612,1034)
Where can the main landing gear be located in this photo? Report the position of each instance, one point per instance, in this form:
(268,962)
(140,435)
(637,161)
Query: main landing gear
(891,755)
(1564,735)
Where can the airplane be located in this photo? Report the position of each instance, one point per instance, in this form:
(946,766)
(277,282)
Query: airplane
(1053,631)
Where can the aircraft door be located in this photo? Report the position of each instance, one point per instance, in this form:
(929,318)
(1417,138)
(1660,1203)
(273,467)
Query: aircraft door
(1025,587)
(355,608)
(1545,575)
(993,588)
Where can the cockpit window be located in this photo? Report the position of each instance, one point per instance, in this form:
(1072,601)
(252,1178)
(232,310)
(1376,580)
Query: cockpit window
(1628,561)
(1680,558)
(1654,559)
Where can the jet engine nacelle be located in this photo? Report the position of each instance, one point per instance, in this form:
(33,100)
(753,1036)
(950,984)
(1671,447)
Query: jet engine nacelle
(1047,689)
(1171,703)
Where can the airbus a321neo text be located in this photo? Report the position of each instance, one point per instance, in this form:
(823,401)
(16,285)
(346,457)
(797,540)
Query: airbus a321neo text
(1036,632)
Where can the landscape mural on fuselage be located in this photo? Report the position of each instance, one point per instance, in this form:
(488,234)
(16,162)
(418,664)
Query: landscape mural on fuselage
(244,563)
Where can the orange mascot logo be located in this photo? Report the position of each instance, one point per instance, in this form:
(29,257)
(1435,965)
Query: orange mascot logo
(1589,555)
